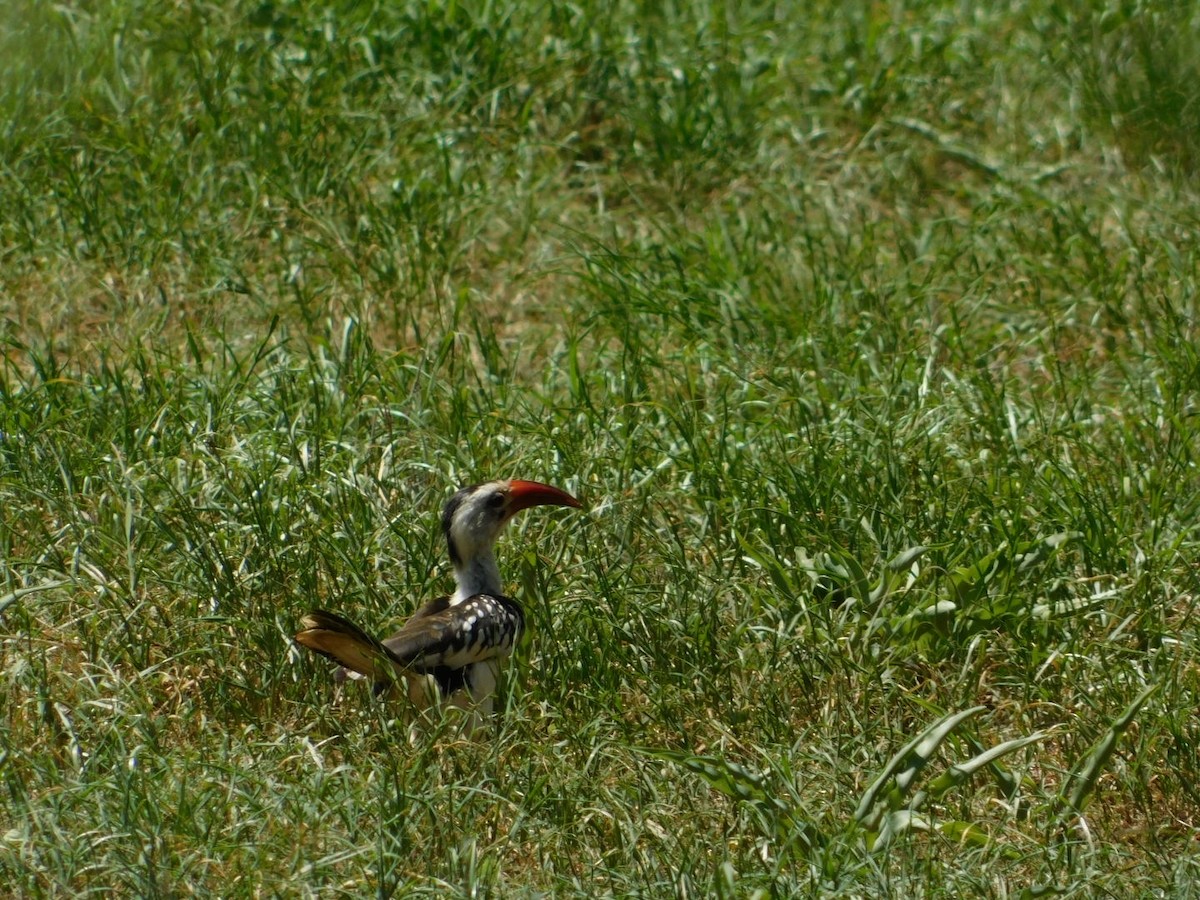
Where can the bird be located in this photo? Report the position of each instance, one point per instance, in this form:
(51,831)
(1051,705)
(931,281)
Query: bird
(449,651)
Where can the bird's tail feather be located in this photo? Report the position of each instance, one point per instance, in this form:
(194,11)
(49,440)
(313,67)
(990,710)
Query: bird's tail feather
(347,645)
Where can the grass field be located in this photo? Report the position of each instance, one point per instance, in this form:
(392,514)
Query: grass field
(867,332)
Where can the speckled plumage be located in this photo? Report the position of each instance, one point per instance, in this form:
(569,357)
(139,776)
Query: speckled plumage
(451,636)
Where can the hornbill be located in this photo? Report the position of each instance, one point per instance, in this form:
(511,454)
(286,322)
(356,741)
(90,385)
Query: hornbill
(456,642)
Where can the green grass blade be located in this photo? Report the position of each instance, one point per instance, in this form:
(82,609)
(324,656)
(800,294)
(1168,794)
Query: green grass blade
(780,819)
(960,772)
(1081,785)
(898,775)
(13,596)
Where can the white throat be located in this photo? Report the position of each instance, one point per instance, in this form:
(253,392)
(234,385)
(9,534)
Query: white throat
(478,575)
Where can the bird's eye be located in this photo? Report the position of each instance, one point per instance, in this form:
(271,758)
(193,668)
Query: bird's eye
(496,500)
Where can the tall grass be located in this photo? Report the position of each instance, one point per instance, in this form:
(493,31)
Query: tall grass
(873,363)
(1135,66)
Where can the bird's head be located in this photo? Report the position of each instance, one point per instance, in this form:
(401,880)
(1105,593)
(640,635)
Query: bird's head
(475,516)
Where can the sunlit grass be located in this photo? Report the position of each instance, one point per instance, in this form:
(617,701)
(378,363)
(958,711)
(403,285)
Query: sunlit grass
(874,367)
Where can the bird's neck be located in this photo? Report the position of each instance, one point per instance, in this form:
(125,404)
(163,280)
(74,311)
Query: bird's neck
(477,575)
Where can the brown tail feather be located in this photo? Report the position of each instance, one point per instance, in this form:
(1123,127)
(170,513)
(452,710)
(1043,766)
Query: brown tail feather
(347,645)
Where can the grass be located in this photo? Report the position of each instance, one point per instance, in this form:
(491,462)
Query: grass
(867,333)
